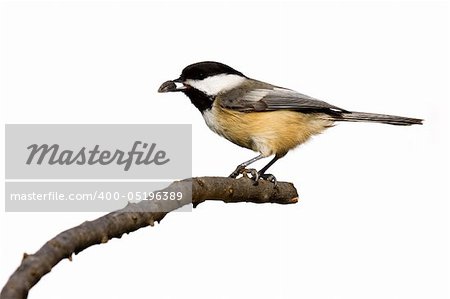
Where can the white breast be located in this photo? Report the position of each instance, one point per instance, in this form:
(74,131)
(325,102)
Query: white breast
(211,122)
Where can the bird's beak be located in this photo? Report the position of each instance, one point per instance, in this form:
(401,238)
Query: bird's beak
(171,86)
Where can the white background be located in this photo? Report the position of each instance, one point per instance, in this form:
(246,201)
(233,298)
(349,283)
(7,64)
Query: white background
(373,217)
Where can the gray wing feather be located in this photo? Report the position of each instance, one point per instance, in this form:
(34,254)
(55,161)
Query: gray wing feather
(267,97)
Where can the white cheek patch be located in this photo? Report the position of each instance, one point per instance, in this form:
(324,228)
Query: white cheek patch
(215,84)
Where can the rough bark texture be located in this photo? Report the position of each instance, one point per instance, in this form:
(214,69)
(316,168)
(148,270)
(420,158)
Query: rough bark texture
(135,216)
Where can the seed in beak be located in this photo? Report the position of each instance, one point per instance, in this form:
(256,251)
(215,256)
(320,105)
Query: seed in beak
(167,86)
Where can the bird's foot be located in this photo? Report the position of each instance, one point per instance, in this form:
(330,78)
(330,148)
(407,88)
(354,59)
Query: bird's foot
(268,177)
(239,170)
(254,175)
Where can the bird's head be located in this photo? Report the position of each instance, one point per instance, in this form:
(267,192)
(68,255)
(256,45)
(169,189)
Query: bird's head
(208,77)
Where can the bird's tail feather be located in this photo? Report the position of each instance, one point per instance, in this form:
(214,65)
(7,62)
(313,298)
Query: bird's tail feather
(377,118)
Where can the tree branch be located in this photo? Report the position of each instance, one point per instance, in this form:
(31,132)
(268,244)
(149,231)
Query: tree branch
(135,216)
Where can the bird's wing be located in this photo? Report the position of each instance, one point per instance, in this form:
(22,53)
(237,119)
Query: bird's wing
(270,98)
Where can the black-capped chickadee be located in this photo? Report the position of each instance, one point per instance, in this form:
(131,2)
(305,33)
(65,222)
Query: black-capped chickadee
(259,116)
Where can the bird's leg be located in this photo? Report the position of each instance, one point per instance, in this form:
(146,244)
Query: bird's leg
(241,168)
(269,177)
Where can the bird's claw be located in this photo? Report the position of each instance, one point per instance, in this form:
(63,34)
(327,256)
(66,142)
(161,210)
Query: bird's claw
(254,175)
(239,170)
(269,177)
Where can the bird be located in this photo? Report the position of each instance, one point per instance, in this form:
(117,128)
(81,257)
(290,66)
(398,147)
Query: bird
(260,116)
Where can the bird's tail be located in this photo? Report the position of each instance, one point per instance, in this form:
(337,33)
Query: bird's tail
(377,118)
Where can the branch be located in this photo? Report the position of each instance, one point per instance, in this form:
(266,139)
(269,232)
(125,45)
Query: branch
(135,216)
